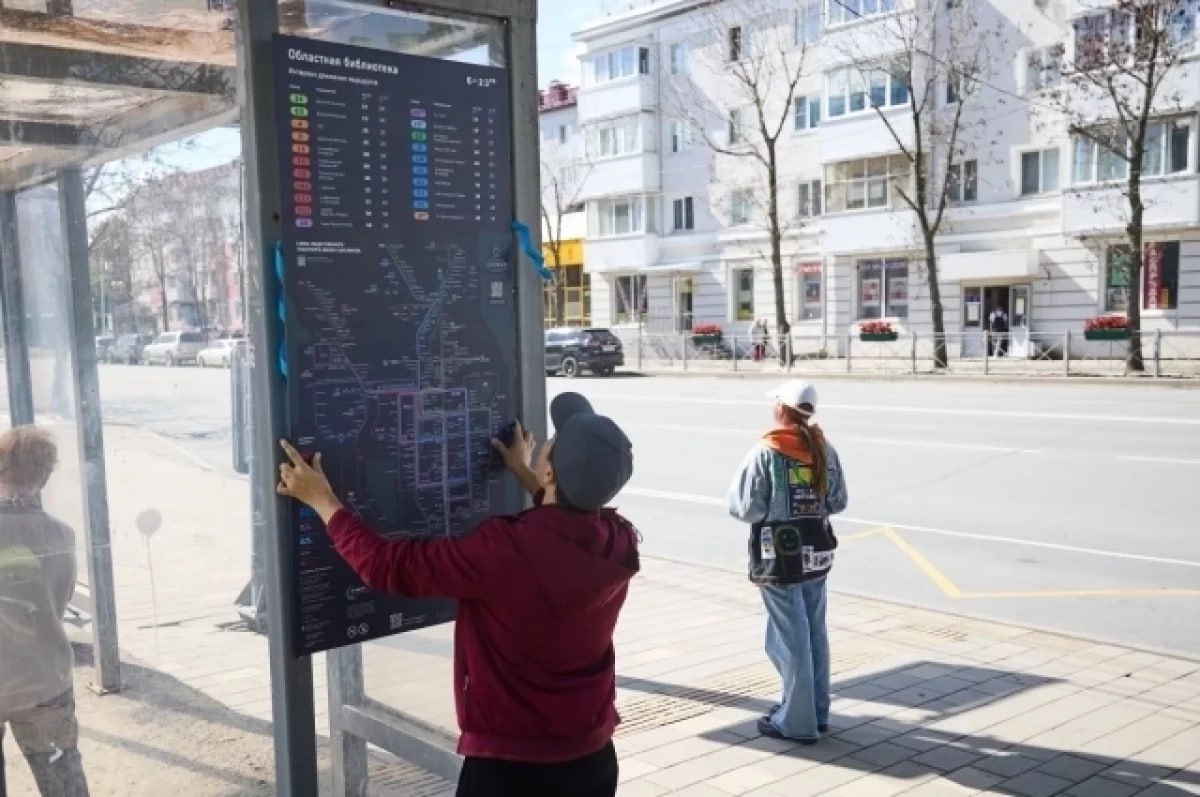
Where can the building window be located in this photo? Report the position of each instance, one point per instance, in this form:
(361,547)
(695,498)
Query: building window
(738,125)
(962,184)
(1039,172)
(562,134)
(617,64)
(680,62)
(741,204)
(1043,69)
(808,112)
(958,87)
(735,43)
(614,138)
(865,183)
(1116,279)
(808,23)
(840,12)
(629,299)
(1183,24)
(1167,151)
(743,299)
(810,296)
(1160,277)
(1102,38)
(618,216)
(882,289)
(809,199)
(854,89)
(684,213)
(681,136)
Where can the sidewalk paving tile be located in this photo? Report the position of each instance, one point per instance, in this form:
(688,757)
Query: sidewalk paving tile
(1102,787)
(1035,784)
(947,758)
(1072,767)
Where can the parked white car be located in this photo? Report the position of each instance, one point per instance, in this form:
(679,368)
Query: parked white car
(219,353)
(174,348)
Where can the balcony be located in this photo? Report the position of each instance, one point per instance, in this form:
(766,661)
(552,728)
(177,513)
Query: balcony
(856,232)
(863,133)
(1080,8)
(618,98)
(627,253)
(1170,203)
(626,174)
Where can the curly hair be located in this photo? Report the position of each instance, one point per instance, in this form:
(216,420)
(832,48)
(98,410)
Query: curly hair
(28,456)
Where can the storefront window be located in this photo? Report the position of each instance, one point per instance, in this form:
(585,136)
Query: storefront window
(882,288)
(811,299)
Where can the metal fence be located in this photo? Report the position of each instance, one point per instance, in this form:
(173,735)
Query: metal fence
(1166,354)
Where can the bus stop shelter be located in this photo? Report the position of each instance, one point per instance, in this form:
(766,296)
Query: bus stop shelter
(85,82)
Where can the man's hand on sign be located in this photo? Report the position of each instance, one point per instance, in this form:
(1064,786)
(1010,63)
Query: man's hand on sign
(306,482)
(519,453)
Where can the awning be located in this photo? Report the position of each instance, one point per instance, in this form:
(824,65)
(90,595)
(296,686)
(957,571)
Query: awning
(999,264)
(689,267)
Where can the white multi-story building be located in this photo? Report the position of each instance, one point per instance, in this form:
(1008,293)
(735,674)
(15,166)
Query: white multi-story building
(1035,224)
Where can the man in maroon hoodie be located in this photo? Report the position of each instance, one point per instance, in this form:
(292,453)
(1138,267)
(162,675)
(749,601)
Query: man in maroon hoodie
(539,592)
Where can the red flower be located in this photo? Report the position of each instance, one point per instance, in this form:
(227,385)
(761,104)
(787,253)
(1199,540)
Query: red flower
(706,329)
(1106,322)
(876,328)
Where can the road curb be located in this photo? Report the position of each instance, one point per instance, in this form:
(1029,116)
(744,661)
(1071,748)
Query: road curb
(963,615)
(1175,383)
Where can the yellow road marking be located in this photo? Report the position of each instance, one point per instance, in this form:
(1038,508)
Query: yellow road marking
(951,590)
(927,567)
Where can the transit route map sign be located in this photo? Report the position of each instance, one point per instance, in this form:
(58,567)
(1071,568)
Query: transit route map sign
(399,311)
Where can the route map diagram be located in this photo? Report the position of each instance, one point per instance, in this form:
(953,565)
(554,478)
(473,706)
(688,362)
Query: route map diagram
(399,309)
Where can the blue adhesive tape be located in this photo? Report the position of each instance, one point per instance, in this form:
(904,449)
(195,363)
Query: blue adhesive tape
(281,310)
(526,240)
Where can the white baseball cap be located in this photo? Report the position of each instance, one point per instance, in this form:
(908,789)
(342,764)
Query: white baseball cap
(795,393)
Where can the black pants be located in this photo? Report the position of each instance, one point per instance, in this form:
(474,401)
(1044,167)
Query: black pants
(592,776)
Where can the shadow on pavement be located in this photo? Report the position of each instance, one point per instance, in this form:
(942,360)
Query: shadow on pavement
(873,741)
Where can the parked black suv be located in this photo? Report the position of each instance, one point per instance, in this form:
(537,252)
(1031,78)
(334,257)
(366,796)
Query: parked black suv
(571,351)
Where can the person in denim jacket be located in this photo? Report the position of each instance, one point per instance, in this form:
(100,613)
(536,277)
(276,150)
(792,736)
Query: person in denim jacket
(788,487)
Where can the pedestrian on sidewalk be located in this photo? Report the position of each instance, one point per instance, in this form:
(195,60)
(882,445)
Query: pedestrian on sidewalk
(37,580)
(787,489)
(539,592)
(759,334)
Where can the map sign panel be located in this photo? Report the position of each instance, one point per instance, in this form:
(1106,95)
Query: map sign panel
(399,310)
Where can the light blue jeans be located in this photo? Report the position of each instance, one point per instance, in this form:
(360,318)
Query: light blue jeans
(798,646)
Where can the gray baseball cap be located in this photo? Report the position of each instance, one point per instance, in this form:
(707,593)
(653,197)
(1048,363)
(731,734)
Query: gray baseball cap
(566,406)
(592,459)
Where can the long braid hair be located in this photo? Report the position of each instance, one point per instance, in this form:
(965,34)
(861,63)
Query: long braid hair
(795,419)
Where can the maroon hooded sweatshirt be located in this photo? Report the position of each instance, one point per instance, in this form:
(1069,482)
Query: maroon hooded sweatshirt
(539,592)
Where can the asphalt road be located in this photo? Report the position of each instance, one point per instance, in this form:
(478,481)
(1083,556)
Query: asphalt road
(1072,507)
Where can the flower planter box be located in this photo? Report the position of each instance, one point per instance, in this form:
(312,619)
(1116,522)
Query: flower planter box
(1106,334)
(706,340)
(878,337)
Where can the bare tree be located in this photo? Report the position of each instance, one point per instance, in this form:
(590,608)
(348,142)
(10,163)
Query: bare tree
(740,99)
(201,239)
(1127,71)
(564,173)
(927,93)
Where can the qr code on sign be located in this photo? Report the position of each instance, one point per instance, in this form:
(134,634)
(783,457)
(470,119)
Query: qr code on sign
(396,621)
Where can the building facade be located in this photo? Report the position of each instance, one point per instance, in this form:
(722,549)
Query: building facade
(675,233)
(568,298)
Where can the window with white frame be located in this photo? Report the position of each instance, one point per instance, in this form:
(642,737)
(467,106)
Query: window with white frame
(855,89)
(808,23)
(739,125)
(741,207)
(1160,276)
(808,201)
(807,112)
(683,212)
(613,216)
(959,86)
(736,43)
(1104,155)
(1102,38)
(1039,172)
(865,183)
(810,291)
(882,288)
(962,182)
(680,133)
(1184,21)
(1043,68)
(841,12)
(617,64)
(743,294)
(629,299)
(680,59)
(615,137)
